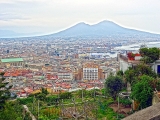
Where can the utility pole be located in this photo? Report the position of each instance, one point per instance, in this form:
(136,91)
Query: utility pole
(82,94)
(33,104)
(118,106)
(38,109)
(94,93)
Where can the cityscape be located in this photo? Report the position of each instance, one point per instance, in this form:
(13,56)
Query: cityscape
(87,71)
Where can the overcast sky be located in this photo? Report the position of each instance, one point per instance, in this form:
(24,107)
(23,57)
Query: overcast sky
(50,16)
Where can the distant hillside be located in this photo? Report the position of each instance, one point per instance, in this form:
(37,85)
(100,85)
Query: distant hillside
(102,29)
(8,34)
(12,34)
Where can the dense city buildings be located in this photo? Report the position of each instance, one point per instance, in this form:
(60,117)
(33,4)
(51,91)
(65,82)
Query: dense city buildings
(56,64)
(31,64)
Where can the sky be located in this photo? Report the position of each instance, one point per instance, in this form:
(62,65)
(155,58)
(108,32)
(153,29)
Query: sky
(51,16)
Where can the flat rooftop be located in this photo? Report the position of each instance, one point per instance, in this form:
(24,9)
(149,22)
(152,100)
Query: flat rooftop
(8,60)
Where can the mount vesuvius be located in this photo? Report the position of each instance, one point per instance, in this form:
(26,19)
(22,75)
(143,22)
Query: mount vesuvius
(102,29)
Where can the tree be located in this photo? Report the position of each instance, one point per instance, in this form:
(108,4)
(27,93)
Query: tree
(41,96)
(4,91)
(142,91)
(120,73)
(27,116)
(144,69)
(12,111)
(66,95)
(44,91)
(113,85)
(149,55)
(130,75)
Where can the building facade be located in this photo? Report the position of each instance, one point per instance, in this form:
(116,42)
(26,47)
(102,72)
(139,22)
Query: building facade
(65,76)
(89,72)
(12,62)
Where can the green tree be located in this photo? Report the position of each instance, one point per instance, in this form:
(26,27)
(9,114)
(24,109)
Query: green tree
(114,84)
(44,91)
(144,69)
(27,116)
(142,91)
(125,101)
(12,111)
(132,74)
(82,93)
(129,75)
(41,96)
(120,73)
(66,95)
(158,85)
(149,55)
(4,91)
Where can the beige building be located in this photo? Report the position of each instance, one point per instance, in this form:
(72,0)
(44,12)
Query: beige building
(65,76)
(89,71)
(12,62)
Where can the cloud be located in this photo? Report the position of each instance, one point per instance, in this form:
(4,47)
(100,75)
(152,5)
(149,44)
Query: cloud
(11,16)
(54,15)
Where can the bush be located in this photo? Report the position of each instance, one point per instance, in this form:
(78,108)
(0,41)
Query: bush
(120,116)
(27,116)
(50,113)
(125,101)
(41,96)
(66,95)
(25,100)
(51,100)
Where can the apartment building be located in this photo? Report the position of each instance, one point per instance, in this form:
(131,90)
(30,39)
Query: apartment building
(89,72)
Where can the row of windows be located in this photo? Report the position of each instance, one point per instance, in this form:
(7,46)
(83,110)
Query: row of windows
(90,74)
(90,78)
(90,70)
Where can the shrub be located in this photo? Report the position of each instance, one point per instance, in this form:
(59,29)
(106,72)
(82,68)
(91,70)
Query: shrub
(125,101)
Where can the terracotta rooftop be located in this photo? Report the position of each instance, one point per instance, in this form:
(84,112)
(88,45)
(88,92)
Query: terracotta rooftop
(125,58)
(90,65)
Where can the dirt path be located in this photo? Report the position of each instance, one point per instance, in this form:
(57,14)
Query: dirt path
(122,109)
(26,108)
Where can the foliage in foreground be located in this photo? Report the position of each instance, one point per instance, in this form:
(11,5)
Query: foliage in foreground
(12,111)
(114,85)
(150,55)
(132,74)
(142,91)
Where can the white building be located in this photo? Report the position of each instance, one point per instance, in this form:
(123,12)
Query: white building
(156,66)
(125,63)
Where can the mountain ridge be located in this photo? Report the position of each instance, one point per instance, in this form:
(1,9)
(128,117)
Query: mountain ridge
(103,29)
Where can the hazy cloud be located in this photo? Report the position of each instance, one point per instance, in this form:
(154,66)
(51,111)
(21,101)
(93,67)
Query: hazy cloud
(11,16)
(55,15)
